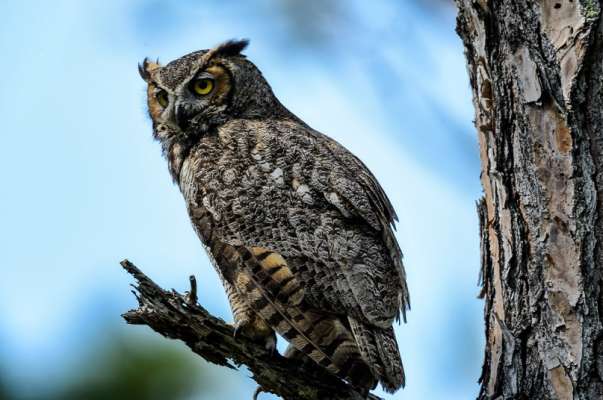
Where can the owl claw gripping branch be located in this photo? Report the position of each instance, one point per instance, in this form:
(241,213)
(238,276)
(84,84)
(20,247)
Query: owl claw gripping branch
(298,229)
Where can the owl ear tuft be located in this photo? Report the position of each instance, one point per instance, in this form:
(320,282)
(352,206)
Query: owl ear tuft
(146,67)
(229,48)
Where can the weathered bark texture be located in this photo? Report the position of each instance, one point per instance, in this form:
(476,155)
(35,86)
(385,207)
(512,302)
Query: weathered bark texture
(536,73)
(179,316)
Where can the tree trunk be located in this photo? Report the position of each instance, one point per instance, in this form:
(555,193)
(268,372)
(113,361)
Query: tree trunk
(536,71)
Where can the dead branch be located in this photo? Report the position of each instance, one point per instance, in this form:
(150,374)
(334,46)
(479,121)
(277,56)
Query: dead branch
(178,316)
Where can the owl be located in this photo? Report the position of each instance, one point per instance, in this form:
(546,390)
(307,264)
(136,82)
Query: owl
(298,229)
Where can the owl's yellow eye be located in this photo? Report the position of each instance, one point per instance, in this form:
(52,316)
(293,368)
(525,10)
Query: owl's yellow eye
(162,98)
(203,86)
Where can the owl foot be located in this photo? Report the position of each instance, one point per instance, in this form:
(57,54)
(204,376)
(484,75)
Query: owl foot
(237,328)
(245,328)
(292,353)
(270,344)
(256,330)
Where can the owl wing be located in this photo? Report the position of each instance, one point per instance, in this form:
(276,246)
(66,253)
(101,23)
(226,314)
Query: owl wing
(296,192)
(363,196)
(306,201)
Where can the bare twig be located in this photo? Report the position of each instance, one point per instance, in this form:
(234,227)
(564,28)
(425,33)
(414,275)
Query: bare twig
(179,316)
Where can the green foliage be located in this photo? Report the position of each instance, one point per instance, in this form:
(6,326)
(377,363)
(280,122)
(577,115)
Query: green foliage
(591,9)
(129,368)
(4,394)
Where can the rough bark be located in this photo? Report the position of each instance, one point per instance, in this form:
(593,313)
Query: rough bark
(179,316)
(535,69)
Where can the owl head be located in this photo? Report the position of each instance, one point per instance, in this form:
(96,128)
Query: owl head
(192,95)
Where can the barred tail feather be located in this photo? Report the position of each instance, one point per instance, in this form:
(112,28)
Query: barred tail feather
(380,351)
(393,377)
(263,280)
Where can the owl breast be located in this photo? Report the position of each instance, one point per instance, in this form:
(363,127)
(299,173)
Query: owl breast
(239,178)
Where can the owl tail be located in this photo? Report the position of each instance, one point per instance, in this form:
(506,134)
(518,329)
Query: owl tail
(380,351)
(272,291)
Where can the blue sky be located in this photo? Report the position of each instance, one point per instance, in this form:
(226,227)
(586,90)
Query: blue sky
(84,185)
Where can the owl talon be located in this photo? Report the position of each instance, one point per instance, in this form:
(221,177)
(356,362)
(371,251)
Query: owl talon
(242,327)
(271,345)
(237,328)
(245,328)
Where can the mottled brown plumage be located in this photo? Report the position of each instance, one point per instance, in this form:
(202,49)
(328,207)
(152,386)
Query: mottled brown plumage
(298,228)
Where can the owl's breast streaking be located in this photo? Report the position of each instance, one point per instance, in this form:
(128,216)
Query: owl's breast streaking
(243,177)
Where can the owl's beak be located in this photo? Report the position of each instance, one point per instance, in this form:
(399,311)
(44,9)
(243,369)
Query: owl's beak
(180,116)
(178,112)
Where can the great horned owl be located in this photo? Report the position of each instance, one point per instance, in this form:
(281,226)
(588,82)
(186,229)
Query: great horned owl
(297,227)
